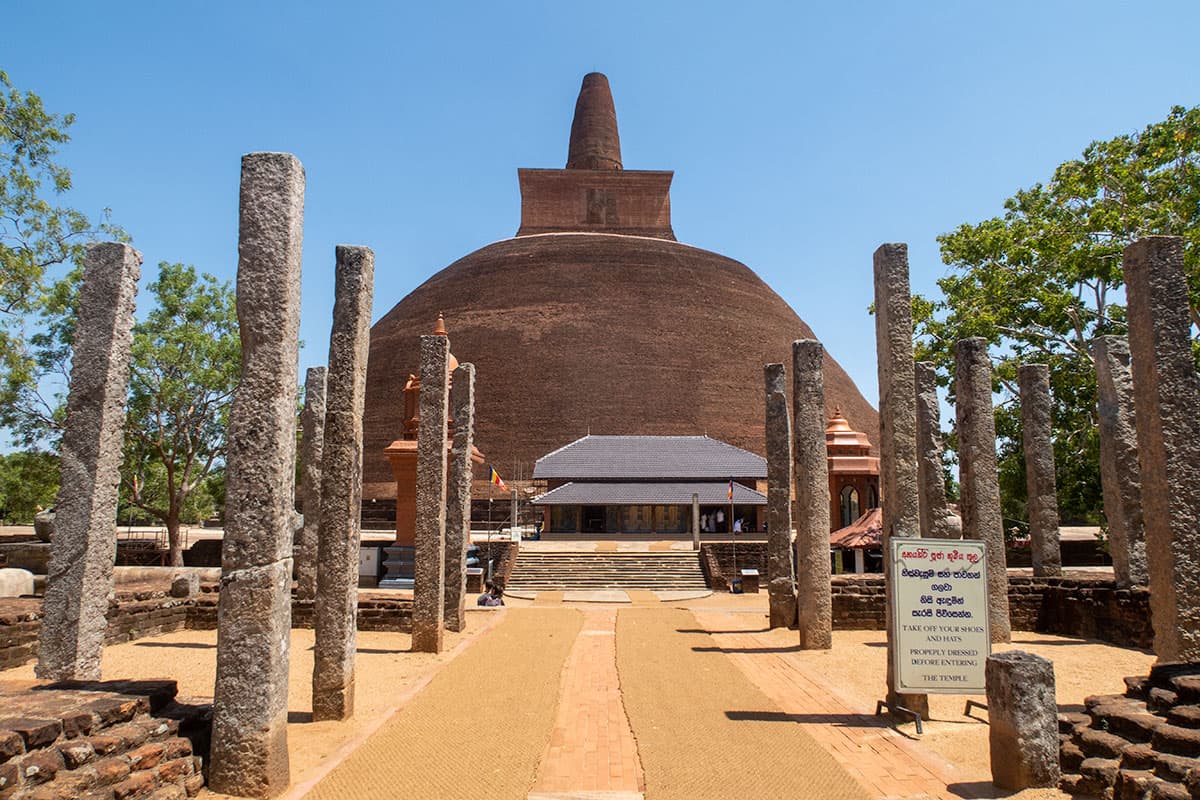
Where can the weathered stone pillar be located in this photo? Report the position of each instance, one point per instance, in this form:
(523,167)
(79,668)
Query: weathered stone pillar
(312,441)
(897,429)
(458,496)
(814,601)
(428,588)
(1023,720)
(695,521)
(249,754)
(1168,426)
(979,483)
(781,581)
(936,520)
(336,629)
(1119,472)
(84,536)
(1036,403)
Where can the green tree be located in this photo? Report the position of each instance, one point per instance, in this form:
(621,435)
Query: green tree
(41,248)
(185,364)
(28,480)
(1044,279)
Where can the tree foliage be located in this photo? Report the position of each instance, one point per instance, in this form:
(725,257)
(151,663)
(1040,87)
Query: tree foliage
(41,248)
(185,364)
(28,481)
(1044,279)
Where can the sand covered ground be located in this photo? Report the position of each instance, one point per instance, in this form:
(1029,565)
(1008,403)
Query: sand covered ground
(389,675)
(386,672)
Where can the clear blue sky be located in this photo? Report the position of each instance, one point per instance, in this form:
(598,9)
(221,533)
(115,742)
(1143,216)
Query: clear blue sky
(802,136)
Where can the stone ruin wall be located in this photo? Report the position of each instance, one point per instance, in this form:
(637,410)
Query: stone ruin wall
(1078,604)
(119,739)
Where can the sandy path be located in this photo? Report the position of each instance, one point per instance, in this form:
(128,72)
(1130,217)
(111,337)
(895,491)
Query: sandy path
(384,671)
(855,671)
(703,730)
(478,730)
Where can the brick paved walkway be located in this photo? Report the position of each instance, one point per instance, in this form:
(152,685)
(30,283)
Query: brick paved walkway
(883,760)
(591,749)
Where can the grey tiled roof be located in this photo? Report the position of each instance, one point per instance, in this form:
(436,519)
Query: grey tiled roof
(649,457)
(648,493)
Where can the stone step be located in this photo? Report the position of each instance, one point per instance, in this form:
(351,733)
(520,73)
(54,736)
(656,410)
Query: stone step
(1184,716)
(1100,744)
(1069,720)
(538,571)
(1187,688)
(1161,700)
(1172,767)
(1126,718)
(1137,686)
(1178,741)
(1070,757)
(1101,770)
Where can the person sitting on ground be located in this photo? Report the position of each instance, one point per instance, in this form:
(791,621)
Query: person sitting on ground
(496,596)
(488,588)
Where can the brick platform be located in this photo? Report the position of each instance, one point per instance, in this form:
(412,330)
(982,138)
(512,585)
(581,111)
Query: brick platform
(102,740)
(1145,743)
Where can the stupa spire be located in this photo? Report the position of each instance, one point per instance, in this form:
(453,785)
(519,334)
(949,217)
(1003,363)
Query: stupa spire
(594,140)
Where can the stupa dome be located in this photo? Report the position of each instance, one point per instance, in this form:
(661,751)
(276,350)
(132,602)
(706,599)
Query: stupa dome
(593,319)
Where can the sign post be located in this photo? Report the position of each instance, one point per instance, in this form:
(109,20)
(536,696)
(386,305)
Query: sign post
(941,622)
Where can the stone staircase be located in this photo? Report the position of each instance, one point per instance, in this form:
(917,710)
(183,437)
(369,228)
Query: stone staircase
(551,571)
(1142,744)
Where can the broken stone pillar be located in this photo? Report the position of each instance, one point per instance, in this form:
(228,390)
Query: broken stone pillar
(338,537)
(312,440)
(185,584)
(1167,392)
(458,496)
(979,483)
(249,755)
(1042,494)
(897,430)
(814,601)
(781,582)
(1022,720)
(84,536)
(428,587)
(936,520)
(1119,472)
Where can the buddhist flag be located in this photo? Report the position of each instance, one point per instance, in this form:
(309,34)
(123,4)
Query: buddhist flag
(731,490)
(494,478)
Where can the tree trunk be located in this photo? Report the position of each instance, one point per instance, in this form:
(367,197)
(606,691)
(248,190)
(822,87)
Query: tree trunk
(176,546)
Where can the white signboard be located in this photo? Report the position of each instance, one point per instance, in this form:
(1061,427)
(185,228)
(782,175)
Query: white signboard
(939,591)
(368,561)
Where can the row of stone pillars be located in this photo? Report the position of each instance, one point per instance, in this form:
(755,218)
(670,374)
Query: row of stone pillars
(914,500)
(249,754)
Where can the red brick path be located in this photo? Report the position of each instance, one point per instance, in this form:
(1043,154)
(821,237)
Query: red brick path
(592,748)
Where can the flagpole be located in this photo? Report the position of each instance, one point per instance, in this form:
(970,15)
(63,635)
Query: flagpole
(729,521)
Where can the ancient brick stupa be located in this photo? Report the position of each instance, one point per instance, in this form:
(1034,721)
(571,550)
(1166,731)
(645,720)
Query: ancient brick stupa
(593,318)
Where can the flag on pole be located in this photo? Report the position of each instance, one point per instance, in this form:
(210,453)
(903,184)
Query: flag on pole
(494,478)
(731,490)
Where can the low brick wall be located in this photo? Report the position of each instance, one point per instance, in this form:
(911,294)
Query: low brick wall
(718,559)
(137,614)
(132,615)
(115,739)
(1079,604)
(376,612)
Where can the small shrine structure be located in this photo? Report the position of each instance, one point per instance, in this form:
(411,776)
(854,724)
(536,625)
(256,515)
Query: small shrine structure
(401,454)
